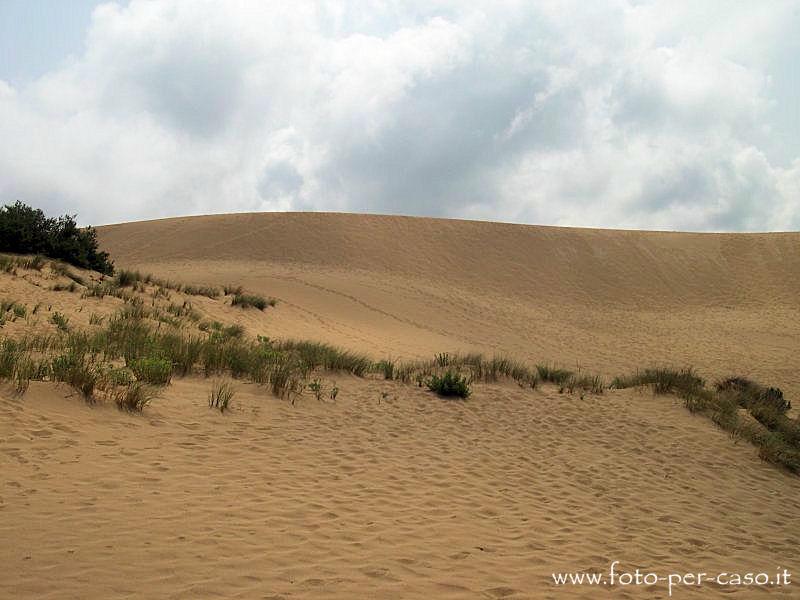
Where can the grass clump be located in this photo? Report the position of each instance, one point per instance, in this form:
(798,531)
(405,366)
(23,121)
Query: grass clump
(221,395)
(207,291)
(74,369)
(126,278)
(60,321)
(551,374)
(682,382)
(252,300)
(152,369)
(316,355)
(450,384)
(134,397)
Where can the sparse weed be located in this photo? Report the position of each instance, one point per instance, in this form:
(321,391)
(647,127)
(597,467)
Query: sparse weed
(60,321)
(134,397)
(221,395)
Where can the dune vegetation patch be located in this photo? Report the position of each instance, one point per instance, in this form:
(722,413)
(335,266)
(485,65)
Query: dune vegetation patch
(252,301)
(765,422)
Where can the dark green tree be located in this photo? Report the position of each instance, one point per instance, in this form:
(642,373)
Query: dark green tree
(27,230)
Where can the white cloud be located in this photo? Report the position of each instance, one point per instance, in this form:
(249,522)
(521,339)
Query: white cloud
(628,114)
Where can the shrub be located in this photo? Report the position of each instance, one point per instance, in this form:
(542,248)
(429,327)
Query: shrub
(451,383)
(152,369)
(26,230)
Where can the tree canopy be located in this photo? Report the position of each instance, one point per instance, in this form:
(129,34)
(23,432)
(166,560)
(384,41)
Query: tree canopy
(26,230)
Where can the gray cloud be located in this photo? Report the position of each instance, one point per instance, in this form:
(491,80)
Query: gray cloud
(625,114)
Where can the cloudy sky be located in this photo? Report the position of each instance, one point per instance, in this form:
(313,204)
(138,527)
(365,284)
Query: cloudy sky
(625,114)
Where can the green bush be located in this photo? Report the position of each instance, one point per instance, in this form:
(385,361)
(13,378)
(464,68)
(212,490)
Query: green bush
(450,384)
(152,369)
(26,230)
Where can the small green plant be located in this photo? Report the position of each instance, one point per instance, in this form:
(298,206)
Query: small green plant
(221,395)
(316,387)
(152,369)
(386,368)
(60,321)
(19,310)
(451,383)
(334,392)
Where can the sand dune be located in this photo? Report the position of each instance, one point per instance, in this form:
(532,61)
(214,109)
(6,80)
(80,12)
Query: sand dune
(390,491)
(609,301)
(402,497)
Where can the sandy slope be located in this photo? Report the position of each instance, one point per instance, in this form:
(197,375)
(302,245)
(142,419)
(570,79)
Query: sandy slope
(608,300)
(390,492)
(405,497)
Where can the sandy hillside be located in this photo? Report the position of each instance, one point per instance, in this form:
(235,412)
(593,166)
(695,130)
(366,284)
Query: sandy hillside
(390,491)
(609,301)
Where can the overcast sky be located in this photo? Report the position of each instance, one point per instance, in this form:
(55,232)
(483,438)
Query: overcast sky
(624,114)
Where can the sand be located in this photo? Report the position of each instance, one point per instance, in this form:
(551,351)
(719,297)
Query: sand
(390,492)
(371,497)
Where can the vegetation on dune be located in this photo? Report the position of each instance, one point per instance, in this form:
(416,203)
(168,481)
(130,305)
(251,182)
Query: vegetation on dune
(450,384)
(221,395)
(27,230)
(764,422)
(252,300)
